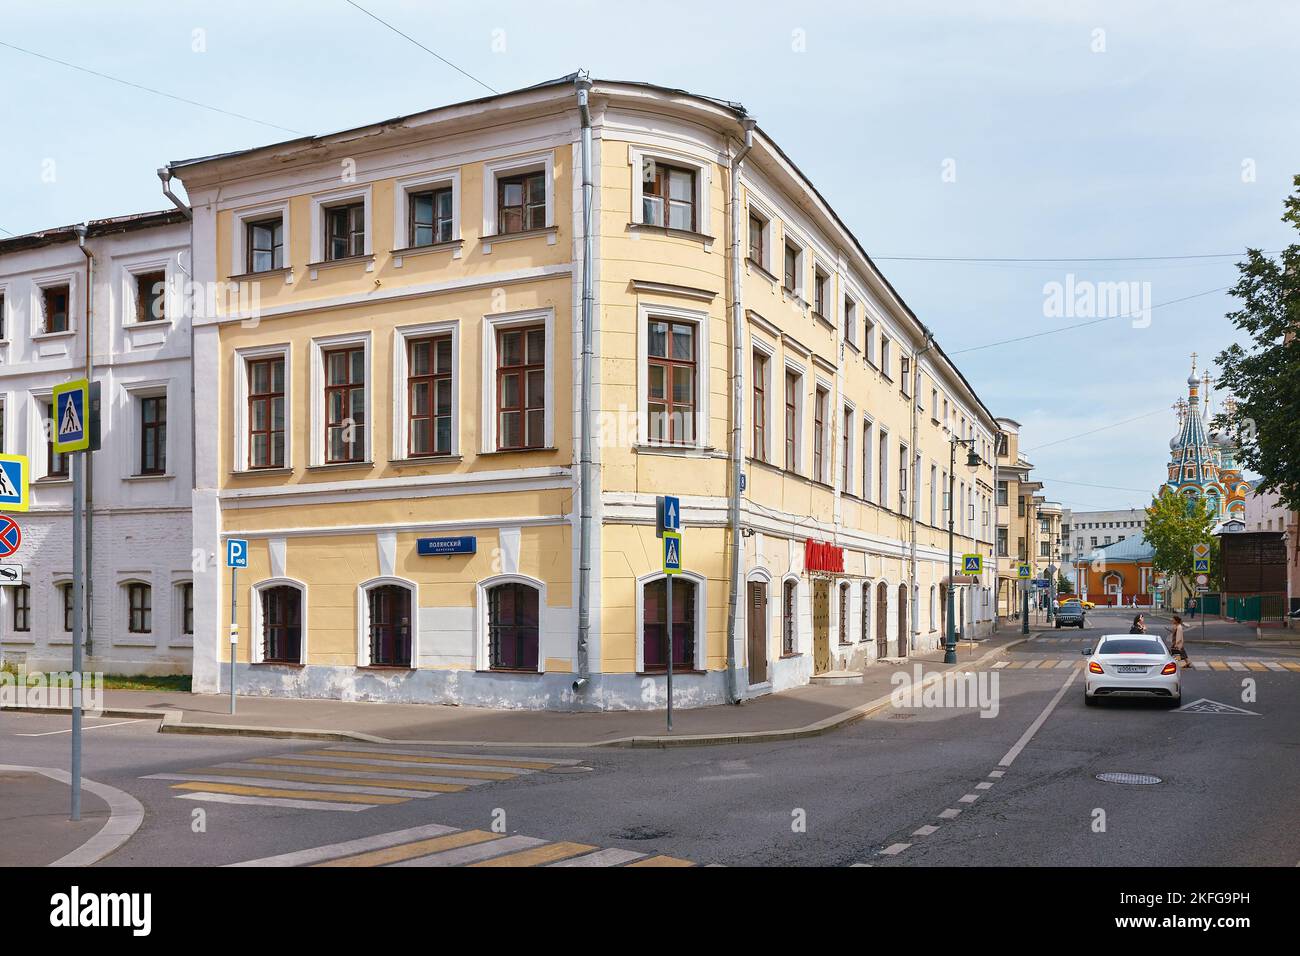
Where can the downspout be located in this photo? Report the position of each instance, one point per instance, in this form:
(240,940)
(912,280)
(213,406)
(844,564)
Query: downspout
(165,174)
(737,404)
(586,471)
(916,391)
(997,561)
(90,458)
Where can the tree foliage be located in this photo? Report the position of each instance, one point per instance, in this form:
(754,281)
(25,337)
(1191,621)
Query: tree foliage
(1265,378)
(1174,524)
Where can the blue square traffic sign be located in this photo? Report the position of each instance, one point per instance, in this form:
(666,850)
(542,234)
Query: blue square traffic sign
(13,483)
(69,430)
(1201,565)
(236,553)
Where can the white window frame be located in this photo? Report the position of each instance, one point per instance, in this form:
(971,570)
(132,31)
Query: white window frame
(37,439)
(828,432)
(339,197)
(851,309)
(316,441)
(701,617)
(179,637)
(870,434)
(515,165)
(363,618)
(906,469)
(827,273)
(256,650)
(800,413)
(703,170)
(753,207)
(800,290)
(882,441)
(402,337)
(239,239)
(848,422)
(646,312)
(39,285)
(769,353)
(402,190)
(132,392)
(122,612)
(239,456)
(482,650)
(488,377)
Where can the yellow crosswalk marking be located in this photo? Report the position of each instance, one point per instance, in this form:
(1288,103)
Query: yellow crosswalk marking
(662,861)
(538,855)
(1290,665)
(253,791)
(1016,664)
(1218,665)
(380,768)
(409,851)
(414,758)
(1256,666)
(340,781)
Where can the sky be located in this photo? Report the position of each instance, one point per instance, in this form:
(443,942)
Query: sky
(937,130)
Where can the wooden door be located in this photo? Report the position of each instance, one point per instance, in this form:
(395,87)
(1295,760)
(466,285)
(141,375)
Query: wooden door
(903,638)
(757,632)
(821,627)
(882,619)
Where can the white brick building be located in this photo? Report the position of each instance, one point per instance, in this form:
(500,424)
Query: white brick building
(141,585)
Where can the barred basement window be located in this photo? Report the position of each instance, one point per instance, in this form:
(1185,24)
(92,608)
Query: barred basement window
(390,626)
(282,625)
(655,632)
(789,622)
(513,627)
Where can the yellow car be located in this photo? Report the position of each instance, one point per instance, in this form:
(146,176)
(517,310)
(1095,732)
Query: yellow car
(1064,598)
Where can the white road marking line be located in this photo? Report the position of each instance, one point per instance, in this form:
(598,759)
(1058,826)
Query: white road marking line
(1237,665)
(1028,735)
(996,773)
(274,802)
(610,857)
(49,733)
(326,772)
(281,784)
(349,848)
(894,849)
(949,814)
(983,786)
(1274,666)
(868,864)
(1064,664)
(730,776)
(999,664)
(969,798)
(399,765)
(474,852)
(925,830)
(368,748)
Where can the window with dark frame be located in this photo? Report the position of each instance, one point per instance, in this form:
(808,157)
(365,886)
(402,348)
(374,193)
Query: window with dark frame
(521,388)
(429,386)
(140,608)
(153,435)
(820,282)
(345,404)
(55,303)
(844,614)
(760,406)
(789,632)
(846,440)
(866,611)
(850,321)
(667,196)
(345,231)
(521,203)
(655,630)
(65,592)
(431,217)
(22,602)
(3,320)
(513,627)
(791,420)
(187,607)
(56,463)
(266,412)
(757,225)
(671,388)
(819,436)
(264,242)
(390,626)
(790,280)
(281,625)
(151,296)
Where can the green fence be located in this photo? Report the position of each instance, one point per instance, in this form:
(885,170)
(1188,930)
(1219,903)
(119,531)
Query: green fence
(1256,609)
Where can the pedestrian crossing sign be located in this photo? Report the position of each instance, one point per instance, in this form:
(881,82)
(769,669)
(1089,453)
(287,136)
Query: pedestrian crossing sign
(71,406)
(672,552)
(972,564)
(1201,565)
(13,482)
(1023,571)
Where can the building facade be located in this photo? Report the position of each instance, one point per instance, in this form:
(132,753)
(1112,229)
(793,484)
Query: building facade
(1026,530)
(129,276)
(396,410)
(1203,464)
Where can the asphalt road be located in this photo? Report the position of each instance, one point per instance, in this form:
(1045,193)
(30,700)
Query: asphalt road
(881,792)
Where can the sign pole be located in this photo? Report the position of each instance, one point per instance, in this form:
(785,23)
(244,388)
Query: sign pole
(668,582)
(78,629)
(234,637)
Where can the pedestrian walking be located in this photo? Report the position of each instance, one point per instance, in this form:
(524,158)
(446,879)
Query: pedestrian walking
(1139,626)
(1178,640)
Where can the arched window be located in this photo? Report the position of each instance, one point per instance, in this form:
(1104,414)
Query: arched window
(513,626)
(866,611)
(655,633)
(389,618)
(844,613)
(139,607)
(789,619)
(934,604)
(281,624)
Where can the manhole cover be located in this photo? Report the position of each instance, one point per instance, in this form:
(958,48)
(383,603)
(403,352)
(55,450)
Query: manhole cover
(641,833)
(569,770)
(1139,779)
(901,716)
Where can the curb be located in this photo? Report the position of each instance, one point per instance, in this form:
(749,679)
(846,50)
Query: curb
(125,814)
(171,722)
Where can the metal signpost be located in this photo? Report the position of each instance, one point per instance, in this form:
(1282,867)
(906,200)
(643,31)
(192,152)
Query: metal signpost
(668,524)
(236,558)
(1201,567)
(1023,572)
(71,434)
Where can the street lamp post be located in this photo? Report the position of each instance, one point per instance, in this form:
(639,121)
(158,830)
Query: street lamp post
(972,461)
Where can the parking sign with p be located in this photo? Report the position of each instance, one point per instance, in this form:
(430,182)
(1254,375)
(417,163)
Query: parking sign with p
(236,553)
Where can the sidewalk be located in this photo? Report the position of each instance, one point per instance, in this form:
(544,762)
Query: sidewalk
(35,829)
(1214,630)
(801,712)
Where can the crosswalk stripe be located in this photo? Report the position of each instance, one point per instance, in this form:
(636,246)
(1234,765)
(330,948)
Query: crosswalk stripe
(324,788)
(380,766)
(894,849)
(382,773)
(1016,664)
(406,851)
(1237,665)
(662,861)
(1065,663)
(273,802)
(249,791)
(611,857)
(370,749)
(1256,666)
(360,845)
(1291,665)
(474,852)
(1000,664)
(1274,666)
(411,786)
(1218,665)
(441,761)
(538,856)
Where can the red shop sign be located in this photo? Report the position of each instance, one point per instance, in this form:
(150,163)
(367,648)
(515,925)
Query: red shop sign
(819,556)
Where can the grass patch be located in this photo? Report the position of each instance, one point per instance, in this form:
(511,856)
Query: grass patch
(164,682)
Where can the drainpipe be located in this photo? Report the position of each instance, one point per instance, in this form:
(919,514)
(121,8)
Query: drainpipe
(916,501)
(165,174)
(586,470)
(737,404)
(81,231)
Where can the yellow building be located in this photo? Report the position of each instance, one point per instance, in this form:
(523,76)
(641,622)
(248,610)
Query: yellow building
(392,413)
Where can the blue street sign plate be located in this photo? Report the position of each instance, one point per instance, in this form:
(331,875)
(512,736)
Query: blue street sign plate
(669,513)
(1201,565)
(13,483)
(672,552)
(69,429)
(972,564)
(464,544)
(236,553)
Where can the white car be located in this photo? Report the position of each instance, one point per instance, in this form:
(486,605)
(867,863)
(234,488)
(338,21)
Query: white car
(1137,665)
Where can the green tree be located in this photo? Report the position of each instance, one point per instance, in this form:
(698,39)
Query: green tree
(1265,377)
(1175,523)
(1063,584)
